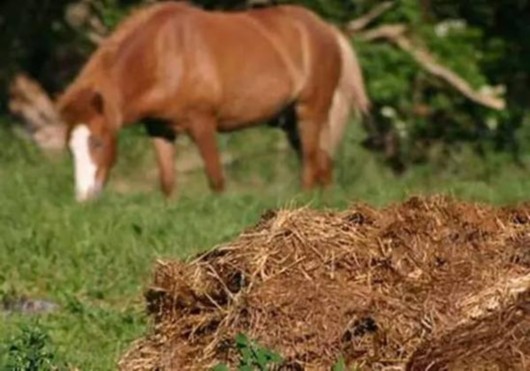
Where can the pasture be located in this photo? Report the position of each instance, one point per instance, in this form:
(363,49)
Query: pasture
(94,260)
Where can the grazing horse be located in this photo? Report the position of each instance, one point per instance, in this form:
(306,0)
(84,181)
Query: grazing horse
(181,69)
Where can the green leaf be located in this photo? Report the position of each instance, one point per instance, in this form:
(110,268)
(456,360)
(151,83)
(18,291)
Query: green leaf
(275,357)
(340,365)
(262,358)
(221,367)
(242,340)
(246,356)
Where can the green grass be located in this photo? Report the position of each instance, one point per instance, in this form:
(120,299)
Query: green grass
(95,260)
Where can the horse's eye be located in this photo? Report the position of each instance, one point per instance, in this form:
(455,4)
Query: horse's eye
(94,142)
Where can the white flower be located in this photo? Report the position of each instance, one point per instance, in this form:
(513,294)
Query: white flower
(388,112)
(443,28)
(492,123)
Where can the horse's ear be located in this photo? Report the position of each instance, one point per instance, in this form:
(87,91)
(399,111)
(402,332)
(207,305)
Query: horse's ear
(72,105)
(89,98)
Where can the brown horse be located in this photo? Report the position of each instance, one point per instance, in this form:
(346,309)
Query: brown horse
(182,69)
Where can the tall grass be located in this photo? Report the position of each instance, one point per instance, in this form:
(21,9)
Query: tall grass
(94,260)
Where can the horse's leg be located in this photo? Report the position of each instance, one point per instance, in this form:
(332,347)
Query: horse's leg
(203,130)
(325,162)
(291,130)
(310,124)
(286,121)
(163,138)
(165,155)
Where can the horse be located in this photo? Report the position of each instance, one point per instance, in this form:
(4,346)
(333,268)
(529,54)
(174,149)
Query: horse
(181,69)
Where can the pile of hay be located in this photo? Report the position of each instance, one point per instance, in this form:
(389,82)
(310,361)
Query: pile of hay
(430,283)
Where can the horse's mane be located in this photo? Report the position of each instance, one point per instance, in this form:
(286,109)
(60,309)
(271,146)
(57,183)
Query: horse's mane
(94,68)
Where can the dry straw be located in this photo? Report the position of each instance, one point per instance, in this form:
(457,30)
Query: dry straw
(431,283)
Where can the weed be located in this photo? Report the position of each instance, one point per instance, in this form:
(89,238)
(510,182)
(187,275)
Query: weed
(252,356)
(31,350)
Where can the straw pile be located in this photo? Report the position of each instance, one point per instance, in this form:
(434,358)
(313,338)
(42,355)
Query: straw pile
(430,283)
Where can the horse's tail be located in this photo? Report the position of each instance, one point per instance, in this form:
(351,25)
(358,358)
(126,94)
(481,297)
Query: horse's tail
(349,95)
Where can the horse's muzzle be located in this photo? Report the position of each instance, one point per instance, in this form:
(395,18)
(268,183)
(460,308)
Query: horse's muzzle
(90,194)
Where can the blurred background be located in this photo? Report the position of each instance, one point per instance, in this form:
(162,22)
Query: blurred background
(428,119)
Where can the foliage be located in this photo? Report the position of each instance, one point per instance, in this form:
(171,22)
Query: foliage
(255,357)
(418,108)
(31,350)
(252,356)
(340,365)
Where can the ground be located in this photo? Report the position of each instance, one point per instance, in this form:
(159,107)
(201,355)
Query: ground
(95,260)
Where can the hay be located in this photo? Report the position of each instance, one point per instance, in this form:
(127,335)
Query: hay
(428,283)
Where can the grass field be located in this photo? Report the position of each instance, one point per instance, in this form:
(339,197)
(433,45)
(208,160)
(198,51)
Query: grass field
(94,260)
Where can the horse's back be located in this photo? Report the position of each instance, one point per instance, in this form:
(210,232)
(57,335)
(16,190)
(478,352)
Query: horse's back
(311,31)
(251,63)
(270,55)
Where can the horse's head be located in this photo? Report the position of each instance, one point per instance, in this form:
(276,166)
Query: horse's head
(91,138)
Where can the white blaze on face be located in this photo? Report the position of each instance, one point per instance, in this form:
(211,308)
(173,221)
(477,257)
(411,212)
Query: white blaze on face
(84,166)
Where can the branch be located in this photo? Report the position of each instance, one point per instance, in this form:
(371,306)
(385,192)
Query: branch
(389,32)
(396,35)
(361,23)
(42,123)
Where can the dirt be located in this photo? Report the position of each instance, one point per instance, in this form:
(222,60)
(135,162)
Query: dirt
(431,283)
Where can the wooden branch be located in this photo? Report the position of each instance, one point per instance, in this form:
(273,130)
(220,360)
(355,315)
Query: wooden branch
(361,23)
(41,121)
(389,31)
(94,37)
(396,35)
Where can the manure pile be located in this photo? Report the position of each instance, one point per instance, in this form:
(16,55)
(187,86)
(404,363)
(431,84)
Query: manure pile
(431,283)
